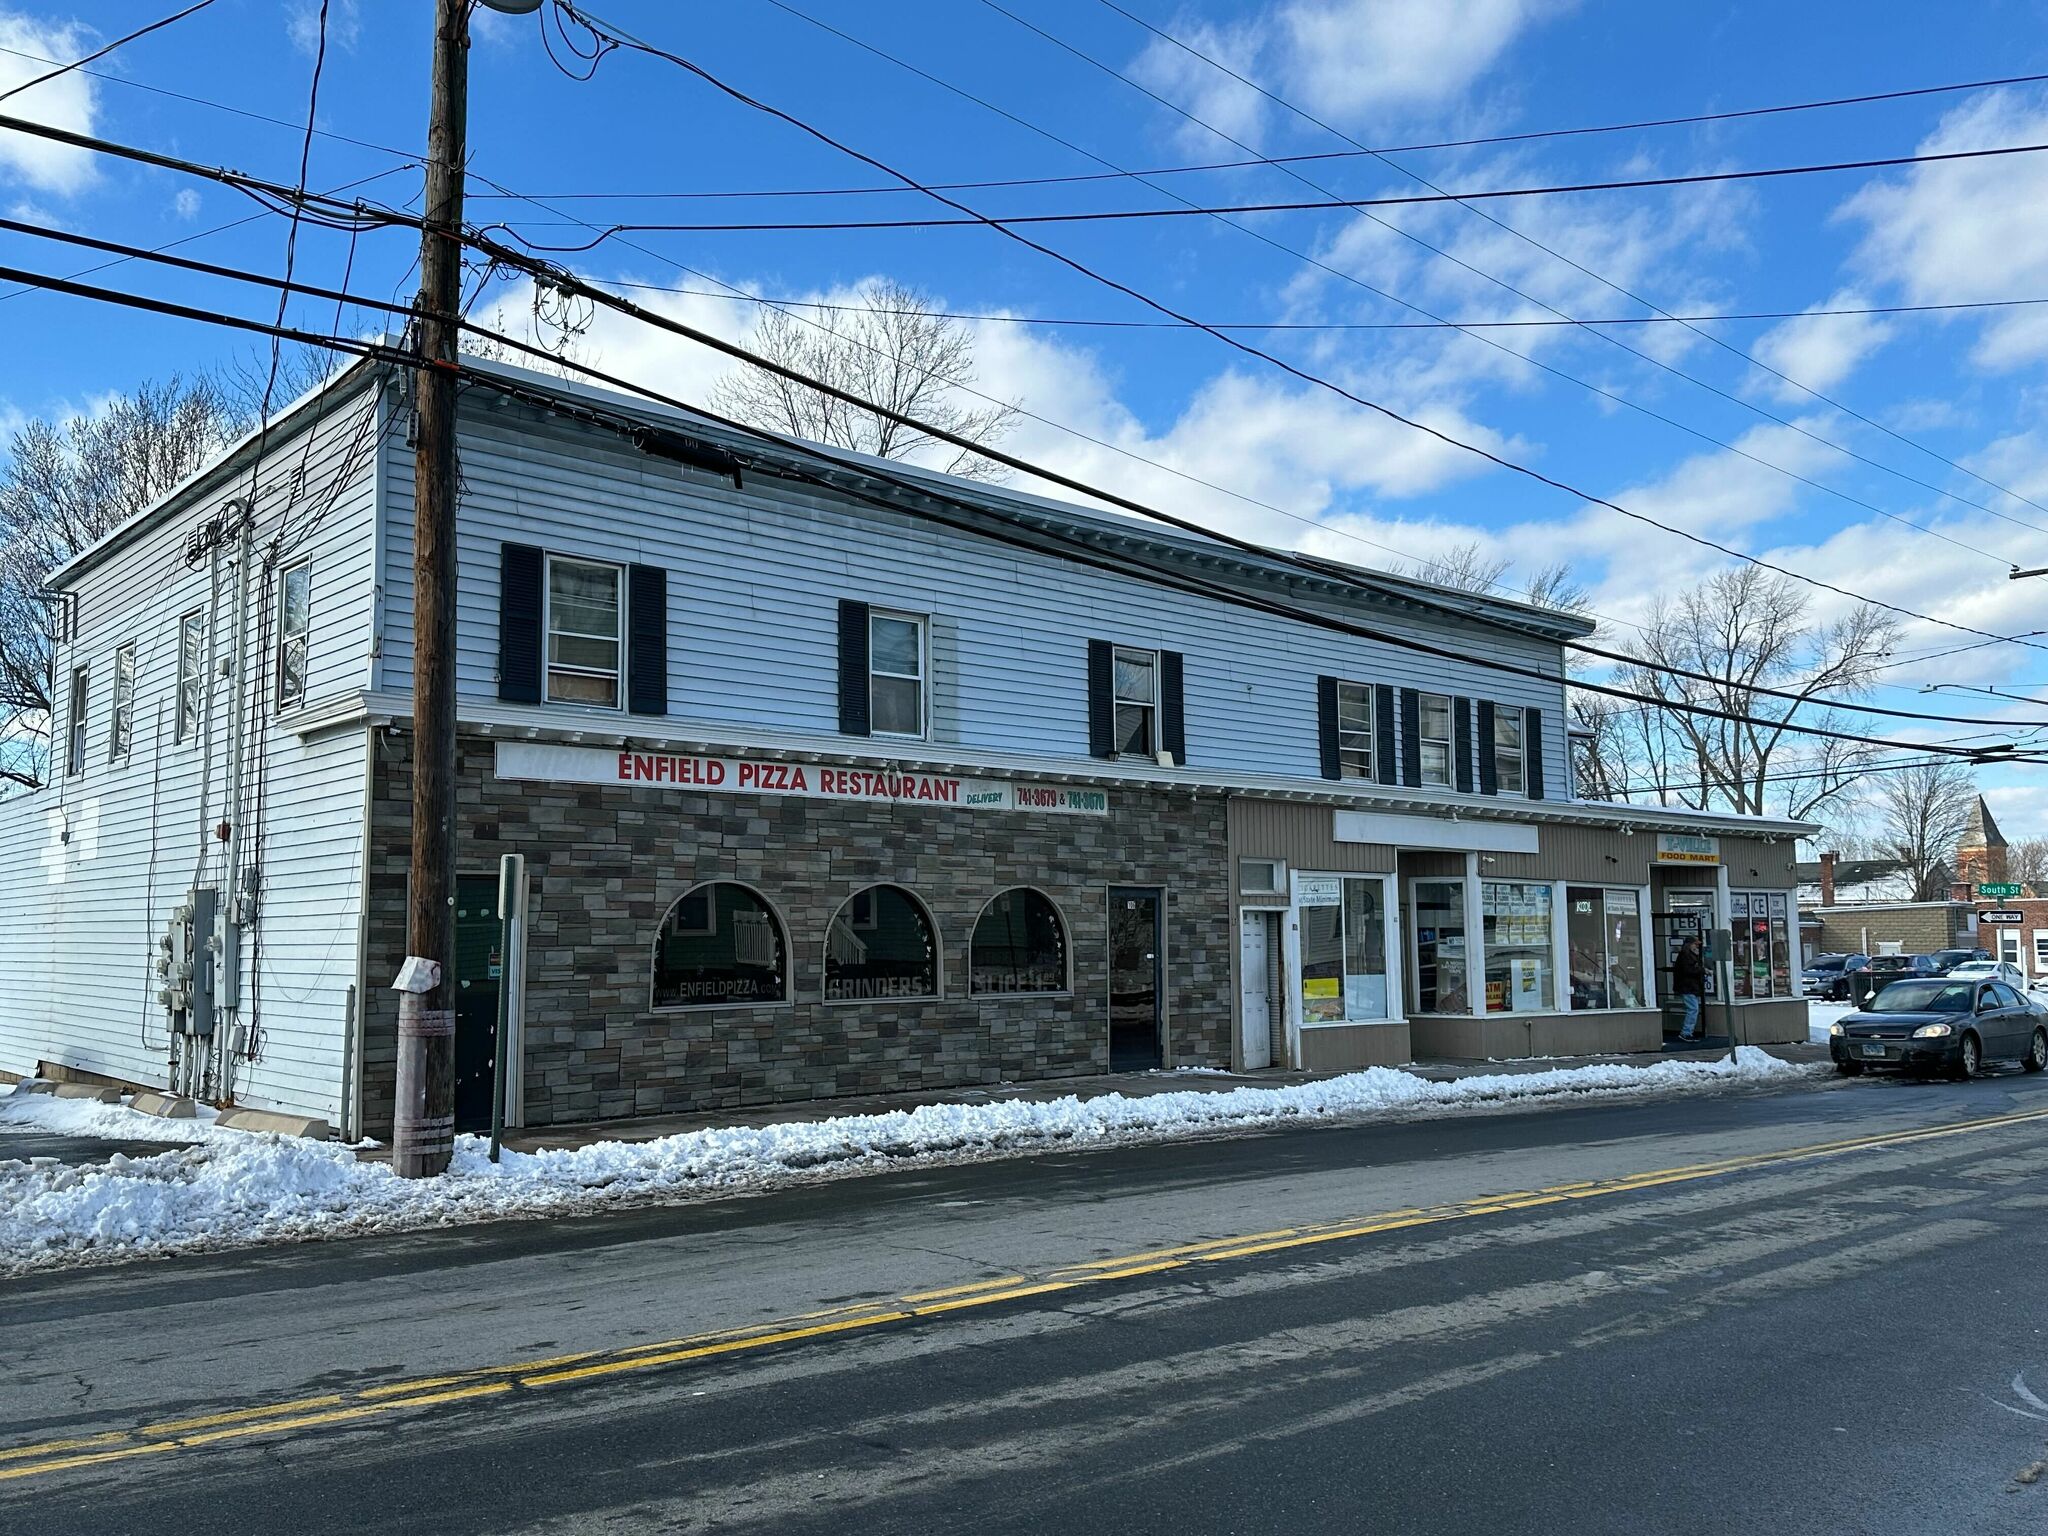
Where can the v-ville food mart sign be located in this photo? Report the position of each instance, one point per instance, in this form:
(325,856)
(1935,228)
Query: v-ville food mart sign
(547,762)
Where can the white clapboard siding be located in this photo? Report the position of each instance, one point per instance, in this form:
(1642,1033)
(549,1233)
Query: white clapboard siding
(91,865)
(754,575)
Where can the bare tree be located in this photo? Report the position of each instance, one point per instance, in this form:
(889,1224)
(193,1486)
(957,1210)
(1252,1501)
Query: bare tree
(2027,862)
(1743,630)
(63,487)
(1467,566)
(1925,809)
(893,349)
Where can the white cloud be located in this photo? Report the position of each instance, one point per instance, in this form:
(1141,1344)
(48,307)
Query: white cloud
(1357,59)
(1969,230)
(1230,107)
(344,25)
(1821,350)
(186,203)
(70,101)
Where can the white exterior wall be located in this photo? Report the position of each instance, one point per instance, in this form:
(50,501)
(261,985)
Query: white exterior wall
(754,575)
(80,919)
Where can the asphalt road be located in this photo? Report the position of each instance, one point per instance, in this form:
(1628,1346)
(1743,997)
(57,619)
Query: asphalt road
(1819,1309)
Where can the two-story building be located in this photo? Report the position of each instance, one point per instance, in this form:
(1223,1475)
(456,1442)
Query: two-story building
(831,776)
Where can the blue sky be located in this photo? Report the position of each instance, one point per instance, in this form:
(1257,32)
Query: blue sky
(1969,386)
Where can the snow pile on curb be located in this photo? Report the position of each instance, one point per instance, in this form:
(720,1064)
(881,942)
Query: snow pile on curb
(234,1188)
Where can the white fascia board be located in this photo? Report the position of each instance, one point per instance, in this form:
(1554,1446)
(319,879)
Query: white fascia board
(592,727)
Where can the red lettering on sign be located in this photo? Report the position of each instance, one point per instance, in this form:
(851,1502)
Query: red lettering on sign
(797,779)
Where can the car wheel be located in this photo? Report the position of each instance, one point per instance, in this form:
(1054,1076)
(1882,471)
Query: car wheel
(1969,1059)
(2037,1052)
(1849,1068)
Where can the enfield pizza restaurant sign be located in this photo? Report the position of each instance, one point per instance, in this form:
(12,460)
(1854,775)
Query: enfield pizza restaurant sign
(549,763)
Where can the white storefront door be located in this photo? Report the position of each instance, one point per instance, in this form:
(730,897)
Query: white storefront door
(1255,988)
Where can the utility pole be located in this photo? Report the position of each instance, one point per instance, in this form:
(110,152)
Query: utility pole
(423,1122)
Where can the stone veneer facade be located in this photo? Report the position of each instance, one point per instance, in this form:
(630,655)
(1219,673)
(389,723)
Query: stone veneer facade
(605,864)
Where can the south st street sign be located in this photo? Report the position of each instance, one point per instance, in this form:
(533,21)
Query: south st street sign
(548,763)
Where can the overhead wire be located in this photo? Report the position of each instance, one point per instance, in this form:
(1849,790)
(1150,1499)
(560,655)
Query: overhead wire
(1530,240)
(101,52)
(1236,344)
(1070,547)
(1444,254)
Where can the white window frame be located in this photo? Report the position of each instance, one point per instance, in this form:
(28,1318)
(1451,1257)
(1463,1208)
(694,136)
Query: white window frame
(1276,881)
(192,681)
(1448,741)
(76,719)
(1393,928)
(121,725)
(1346,734)
(548,666)
(1518,755)
(922,678)
(2041,950)
(1117,701)
(2009,950)
(286,639)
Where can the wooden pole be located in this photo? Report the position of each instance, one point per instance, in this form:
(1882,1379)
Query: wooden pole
(423,1130)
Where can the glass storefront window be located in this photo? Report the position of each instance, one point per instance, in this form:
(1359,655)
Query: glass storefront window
(1019,946)
(1343,948)
(880,946)
(1520,967)
(719,944)
(1603,927)
(1440,975)
(1760,932)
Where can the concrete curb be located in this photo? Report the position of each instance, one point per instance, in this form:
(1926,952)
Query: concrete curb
(282,1125)
(168,1106)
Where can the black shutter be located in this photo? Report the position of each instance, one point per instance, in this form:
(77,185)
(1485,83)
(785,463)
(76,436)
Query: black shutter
(1411,738)
(647,643)
(1101,699)
(519,620)
(1173,724)
(1326,728)
(1383,733)
(853,668)
(1489,783)
(1461,729)
(1532,752)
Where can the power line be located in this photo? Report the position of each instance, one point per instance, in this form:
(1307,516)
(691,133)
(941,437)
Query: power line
(1101,323)
(1258,161)
(1614,341)
(102,52)
(1311,205)
(1307,377)
(1079,548)
(1525,359)
(1557,255)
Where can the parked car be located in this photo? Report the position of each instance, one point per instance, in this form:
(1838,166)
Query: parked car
(1992,970)
(1946,960)
(1951,1024)
(1884,969)
(1828,976)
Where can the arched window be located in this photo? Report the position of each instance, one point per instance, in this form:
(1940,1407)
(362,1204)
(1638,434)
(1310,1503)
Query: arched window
(1020,945)
(881,945)
(720,944)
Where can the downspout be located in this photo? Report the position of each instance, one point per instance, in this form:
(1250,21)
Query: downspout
(232,912)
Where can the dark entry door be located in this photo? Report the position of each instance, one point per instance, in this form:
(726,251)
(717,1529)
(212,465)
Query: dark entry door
(1136,954)
(478,969)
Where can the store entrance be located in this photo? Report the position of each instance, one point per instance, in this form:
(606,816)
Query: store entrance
(1136,952)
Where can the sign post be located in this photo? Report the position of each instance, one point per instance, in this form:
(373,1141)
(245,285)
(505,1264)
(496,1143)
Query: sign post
(511,886)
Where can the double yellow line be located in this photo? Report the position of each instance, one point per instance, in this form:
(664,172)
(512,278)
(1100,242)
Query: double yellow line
(492,1381)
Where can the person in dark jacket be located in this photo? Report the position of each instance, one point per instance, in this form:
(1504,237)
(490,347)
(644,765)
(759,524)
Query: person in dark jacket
(1689,981)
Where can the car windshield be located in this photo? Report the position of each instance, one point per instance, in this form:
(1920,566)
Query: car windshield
(1922,997)
(1830,962)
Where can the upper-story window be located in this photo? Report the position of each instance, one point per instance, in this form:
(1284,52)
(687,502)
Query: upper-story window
(1433,730)
(1354,731)
(121,729)
(897,658)
(74,738)
(294,622)
(1508,771)
(191,671)
(584,613)
(1137,702)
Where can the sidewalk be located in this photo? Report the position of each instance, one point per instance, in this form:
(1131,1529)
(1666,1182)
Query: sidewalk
(1047,1090)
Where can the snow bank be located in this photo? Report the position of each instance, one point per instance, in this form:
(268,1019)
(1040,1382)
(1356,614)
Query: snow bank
(233,1188)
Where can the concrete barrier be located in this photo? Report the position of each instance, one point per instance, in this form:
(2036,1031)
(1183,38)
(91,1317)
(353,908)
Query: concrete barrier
(267,1120)
(90,1091)
(169,1106)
